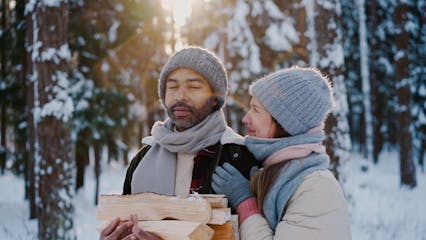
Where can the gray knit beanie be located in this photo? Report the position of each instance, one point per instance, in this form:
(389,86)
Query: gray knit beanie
(203,62)
(298,98)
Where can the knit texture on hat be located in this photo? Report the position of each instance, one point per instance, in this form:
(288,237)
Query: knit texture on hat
(298,98)
(203,62)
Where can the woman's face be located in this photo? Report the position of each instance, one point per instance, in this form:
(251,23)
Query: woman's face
(259,121)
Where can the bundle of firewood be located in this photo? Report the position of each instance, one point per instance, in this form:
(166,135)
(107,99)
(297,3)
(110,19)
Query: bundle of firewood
(197,216)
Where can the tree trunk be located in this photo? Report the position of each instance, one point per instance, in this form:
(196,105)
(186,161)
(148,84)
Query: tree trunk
(30,181)
(422,155)
(329,59)
(3,149)
(376,108)
(20,115)
(405,140)
(112,149)
(3,73)
(421,6)
(97,148)
(125,136)
(366,88)
(81,157)
(47,31)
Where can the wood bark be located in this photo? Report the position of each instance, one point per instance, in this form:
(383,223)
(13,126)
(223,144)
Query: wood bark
(81,157)
(375,106)
(407,167)
(47,29)
(150,206)
(3,147)
(3,74)
(329,40)
(224,231)
(30,180)
(178,229)
(97,148)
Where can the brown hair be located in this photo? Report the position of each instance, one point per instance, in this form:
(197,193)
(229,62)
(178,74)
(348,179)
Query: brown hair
(280,131)
(263,180)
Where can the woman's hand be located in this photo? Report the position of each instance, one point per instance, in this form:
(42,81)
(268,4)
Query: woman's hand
(229,181)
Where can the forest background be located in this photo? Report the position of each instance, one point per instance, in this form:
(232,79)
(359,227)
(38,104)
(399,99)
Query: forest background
(78,81)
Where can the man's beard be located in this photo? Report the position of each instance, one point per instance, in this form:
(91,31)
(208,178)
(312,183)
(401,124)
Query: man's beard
(196,115)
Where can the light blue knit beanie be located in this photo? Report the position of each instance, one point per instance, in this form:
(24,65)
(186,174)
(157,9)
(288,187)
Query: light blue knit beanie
(298,98)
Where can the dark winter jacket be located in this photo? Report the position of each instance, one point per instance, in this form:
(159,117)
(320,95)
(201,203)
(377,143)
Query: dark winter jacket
(204,164)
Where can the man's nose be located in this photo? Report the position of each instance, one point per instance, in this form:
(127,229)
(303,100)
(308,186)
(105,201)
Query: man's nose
(181,94)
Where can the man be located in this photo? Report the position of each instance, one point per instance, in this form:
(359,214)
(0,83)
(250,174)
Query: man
(183,151)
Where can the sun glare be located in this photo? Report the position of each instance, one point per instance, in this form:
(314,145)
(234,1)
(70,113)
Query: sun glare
(180,10)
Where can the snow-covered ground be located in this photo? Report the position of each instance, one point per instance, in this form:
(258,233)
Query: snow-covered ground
(380,209)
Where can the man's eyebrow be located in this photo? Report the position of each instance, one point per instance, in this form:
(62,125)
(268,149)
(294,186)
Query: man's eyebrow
(195,80)
(171,80)
(189,80)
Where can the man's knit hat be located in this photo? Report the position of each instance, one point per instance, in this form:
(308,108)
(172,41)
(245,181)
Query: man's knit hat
(203,62)
(298,98)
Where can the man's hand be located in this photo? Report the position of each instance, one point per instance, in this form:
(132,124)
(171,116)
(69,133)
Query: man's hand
(138,233)
(117,230)
(228,180)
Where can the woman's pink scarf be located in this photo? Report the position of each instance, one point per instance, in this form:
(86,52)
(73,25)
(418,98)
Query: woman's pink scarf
(296,151)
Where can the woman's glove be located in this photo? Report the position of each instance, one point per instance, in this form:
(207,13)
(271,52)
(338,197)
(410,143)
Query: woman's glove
(228,180)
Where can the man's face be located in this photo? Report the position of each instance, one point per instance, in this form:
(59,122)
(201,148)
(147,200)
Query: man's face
(189,98)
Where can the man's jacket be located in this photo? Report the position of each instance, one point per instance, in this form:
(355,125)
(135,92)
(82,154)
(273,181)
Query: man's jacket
(204,164)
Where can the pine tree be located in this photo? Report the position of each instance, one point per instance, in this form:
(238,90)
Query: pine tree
(3,84)
(417,60)
(365,78)
(118,56)
(327,54)
(376,100)
(51,109)
(407,167)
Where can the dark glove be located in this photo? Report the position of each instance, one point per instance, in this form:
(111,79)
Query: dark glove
(229,181)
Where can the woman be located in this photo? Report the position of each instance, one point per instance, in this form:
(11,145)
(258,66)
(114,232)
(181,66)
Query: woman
(294,195)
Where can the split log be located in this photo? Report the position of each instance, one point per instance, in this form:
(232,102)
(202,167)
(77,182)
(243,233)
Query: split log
(215,200)
(223,232)
(220,216)
(235,226)
(150,206)
(174,229)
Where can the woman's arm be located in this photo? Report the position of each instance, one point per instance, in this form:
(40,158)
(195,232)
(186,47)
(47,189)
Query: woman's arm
(317,210)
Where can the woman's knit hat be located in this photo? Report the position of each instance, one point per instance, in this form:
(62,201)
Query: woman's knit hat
(298,98)
(203,62)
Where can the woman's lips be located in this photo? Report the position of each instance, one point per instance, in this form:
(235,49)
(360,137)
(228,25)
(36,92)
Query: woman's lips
(250,132)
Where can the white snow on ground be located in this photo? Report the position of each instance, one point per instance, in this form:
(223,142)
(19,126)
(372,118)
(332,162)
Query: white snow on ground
(379,208)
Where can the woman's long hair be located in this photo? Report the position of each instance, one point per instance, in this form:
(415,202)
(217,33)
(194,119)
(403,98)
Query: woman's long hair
(263,180)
